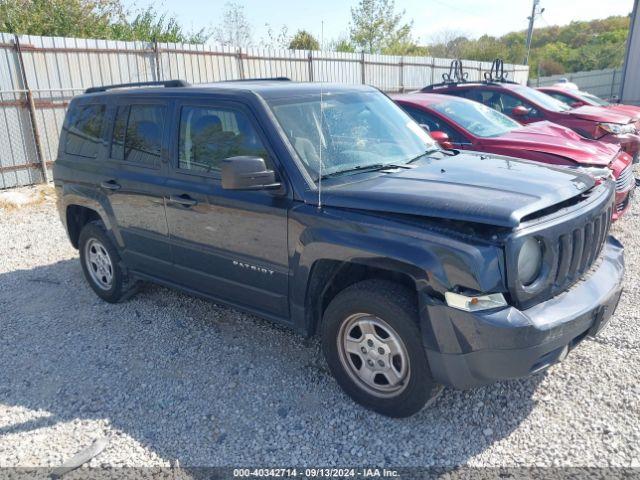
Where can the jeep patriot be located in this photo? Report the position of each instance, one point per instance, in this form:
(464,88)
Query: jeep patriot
(326,208)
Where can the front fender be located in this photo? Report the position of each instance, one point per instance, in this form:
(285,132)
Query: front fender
(437,260)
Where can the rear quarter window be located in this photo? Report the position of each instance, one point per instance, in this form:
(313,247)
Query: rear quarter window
(83,132)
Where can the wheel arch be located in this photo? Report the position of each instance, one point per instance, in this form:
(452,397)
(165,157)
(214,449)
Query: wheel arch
(328,277)
(77,216)
(78,206)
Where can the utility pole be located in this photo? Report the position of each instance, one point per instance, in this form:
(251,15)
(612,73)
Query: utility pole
(532,18)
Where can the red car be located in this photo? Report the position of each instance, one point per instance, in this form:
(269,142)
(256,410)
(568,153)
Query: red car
(578,98)
(463,124)
(528,105)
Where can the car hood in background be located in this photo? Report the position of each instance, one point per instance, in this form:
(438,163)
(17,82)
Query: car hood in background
(471,187)
(631,110)
(553,139)
(600,114)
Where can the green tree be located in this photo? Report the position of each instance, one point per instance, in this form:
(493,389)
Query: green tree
(341,44)
(375,26)
(65,18)
(486,48)
(234,30)
(595,44)
(447,44)
(550,67)
(303,40)
(276,39)
(104,19)
(149,25)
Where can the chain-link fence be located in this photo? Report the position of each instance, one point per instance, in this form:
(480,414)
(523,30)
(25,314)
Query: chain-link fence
(39,75)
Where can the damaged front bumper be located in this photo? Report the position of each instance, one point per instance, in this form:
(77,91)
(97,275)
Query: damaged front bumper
(467,349)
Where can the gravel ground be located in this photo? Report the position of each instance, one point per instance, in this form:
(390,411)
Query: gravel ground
(168,378)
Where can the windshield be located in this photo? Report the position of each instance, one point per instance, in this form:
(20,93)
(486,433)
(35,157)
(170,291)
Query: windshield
(542,99)
(476,118)
(592,99)
(356,130)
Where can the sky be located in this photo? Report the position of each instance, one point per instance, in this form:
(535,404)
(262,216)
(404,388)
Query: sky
(430,17)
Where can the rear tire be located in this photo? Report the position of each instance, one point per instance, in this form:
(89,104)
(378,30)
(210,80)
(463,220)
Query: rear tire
(101,264)
(372,343)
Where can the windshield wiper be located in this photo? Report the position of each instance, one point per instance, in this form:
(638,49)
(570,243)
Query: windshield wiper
(423,154)
(359,168)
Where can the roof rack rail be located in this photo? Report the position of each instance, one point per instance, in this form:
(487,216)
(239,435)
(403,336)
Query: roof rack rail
(263,79)
(165,83)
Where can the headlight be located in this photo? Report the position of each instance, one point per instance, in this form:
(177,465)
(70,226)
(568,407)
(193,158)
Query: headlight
(599,173)
(529,261)
(617,128)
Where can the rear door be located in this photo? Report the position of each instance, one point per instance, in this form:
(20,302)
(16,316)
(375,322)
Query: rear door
(228,244)
(135,182)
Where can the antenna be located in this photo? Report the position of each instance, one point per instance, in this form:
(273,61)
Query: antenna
(320,126)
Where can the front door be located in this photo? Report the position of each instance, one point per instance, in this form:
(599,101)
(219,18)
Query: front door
(231,245)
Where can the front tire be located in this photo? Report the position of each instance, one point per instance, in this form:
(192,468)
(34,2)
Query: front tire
(372,343)
(101,263)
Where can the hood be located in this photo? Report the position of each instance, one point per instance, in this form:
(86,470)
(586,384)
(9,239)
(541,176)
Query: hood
(631,110)
(600,114)
(471,187)
(554,139)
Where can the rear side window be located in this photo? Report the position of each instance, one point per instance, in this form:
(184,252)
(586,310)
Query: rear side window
(84,130)
(209,135)
(138,133)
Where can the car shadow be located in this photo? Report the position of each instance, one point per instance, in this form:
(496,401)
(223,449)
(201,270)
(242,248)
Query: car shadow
(207,385)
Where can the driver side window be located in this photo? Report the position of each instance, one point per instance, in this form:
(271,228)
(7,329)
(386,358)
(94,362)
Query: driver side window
(505,102)
(210,135)
(435,124)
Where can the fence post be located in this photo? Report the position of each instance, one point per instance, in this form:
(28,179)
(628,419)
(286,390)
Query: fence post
(401,75)
(156,51)
(310,57)
(32,111)
(433,70)
(240,64)
(613,82)
(362,67)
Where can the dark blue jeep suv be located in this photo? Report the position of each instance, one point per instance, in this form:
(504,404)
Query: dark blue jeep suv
(326,208)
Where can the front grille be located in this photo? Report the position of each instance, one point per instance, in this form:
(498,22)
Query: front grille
(571,245)
(625,180)
(578,250)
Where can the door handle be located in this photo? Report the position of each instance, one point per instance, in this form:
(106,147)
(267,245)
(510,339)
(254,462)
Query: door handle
(184,200)
(110,185)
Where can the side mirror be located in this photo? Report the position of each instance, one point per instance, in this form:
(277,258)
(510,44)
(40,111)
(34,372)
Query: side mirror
(520,111)
(247,173)
(577,104)
(442,138)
